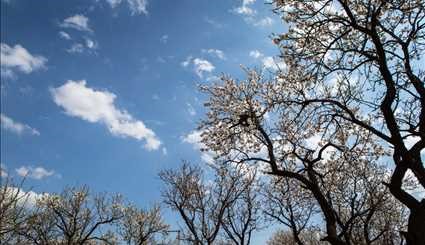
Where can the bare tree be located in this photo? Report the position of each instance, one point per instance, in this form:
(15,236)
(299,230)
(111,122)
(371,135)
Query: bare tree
(311,237)
(202,205)
(243,216)
(140,227)
(13,209)
(73,217)
(290,205)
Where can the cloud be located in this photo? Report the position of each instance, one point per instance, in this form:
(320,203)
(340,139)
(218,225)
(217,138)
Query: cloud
(190,109)
(135,6)
(245,8)
(27,199)
(202,66)
(78,22)
(98,106)
(64,35)
(17,58)
(3,171)
(214,23)
(164,39)
(215,52)
(264,22)
(138,6)
(255,54)
(114,3)
(11,125)
(76,48)
(91,44)
(187,61)
(164,151)
(194,138)
(37,173)
(199,65)
(270,63)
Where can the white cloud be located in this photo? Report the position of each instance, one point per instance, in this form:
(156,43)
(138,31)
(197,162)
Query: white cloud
(270,63)
(214,23)
(3,171)
(264,22)
(135,6)
(255,54)
(411,141)
(245,8)
(194,138)
(76,48)
(64,35)
(97,106)
(215,52)
(8,123)
(164,151)
(91,44)
(17,58)
(78,22)
(163,39)
(202,66)
(187,61)
(138,6)
(114,3)
(190,109)
(199,65)
(27,199)
(37,173)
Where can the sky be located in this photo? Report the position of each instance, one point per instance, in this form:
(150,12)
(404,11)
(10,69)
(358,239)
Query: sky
(105,93)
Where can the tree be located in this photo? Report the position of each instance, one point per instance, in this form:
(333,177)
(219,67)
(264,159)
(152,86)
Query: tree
(359,63)
(337,164)
(73,217)
(140,227)
(13,209)
(290,205)
(311,237)
(204,206)
(243,216)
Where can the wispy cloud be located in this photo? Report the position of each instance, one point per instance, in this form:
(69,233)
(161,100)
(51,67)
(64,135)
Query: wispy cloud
(245,8)
(215,52)
(163,39)
(78,22)
(3,171)
(194,138)
(76,48)
(268,62)
(202,66)
(37,173)
(18,59)
(264,22)
(11,125)
(64,35)
(190,109)
(136,6)
(98,106)
(255,54)
(89,45)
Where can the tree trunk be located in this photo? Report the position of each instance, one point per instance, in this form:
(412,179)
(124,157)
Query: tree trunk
(415,234)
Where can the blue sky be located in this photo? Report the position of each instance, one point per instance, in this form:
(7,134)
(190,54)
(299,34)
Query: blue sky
(104,92)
